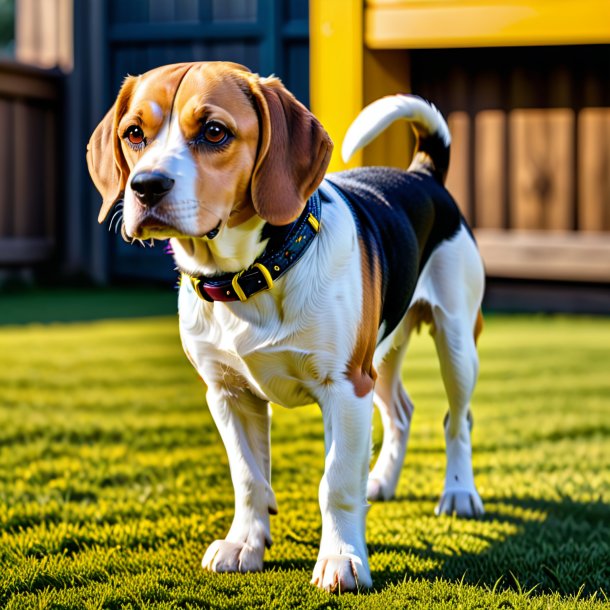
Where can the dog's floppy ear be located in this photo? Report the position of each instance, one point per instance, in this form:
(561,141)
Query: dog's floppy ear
(294,152)
(105,159)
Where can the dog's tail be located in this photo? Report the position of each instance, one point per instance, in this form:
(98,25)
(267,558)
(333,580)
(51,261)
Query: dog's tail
(433,137)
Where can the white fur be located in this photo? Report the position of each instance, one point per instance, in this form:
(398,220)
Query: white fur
(451,285)
(292,346)
(233,249)
(378,116)
(170,155)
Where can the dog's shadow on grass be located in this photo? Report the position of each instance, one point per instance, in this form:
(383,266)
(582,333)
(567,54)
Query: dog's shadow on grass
(562,546)
(555,547)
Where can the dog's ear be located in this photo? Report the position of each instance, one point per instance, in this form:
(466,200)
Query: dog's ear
(293,154)
(107,165)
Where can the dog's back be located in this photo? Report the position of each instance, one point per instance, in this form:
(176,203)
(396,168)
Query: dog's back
(401,216)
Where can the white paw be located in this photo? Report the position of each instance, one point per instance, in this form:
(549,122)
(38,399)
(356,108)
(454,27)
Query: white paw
(225,556)
(340,573)
(460,502)
(378,491)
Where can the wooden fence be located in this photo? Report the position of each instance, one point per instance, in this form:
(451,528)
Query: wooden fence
(530,159)
(29,163)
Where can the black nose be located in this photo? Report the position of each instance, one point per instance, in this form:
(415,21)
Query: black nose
(151,187)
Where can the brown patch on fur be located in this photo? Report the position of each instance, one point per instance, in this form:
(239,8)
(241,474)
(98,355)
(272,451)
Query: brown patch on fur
(107,165)
(294,153)
(360,369)
(421,313)
(327,381)
(478,326)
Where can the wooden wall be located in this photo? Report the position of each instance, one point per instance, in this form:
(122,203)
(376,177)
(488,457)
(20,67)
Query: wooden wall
(29,165)
(531,152)
(43,33)
(531,126)
(525,86)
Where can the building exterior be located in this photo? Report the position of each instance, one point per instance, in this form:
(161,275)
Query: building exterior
(95,44)
(526,89)
(525,86)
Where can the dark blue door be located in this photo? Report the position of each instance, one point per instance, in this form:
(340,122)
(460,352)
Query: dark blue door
(268,36)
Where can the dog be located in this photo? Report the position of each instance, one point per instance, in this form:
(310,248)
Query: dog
(300,288)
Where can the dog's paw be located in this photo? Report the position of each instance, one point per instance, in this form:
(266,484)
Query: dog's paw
(225,556)
(460,502)
(340,573)
(378,491)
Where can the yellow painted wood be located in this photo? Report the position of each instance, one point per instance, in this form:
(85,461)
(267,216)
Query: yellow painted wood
(387,73)
(402,24)
(336,34)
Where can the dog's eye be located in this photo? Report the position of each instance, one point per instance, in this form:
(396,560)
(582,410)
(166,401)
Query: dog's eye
(215,133)
(135,135)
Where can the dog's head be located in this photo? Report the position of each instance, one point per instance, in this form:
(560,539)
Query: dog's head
(191,147)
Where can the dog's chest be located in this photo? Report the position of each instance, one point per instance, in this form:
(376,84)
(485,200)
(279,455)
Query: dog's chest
(260,352)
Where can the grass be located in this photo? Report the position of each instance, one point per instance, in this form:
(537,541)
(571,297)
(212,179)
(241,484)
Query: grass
(113,479)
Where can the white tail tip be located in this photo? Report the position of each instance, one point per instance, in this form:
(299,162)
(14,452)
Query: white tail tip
(378,116)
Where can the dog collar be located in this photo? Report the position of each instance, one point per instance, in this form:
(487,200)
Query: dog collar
(285,247)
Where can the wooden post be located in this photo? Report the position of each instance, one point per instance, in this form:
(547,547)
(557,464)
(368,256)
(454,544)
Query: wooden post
(336,68)
(345,76)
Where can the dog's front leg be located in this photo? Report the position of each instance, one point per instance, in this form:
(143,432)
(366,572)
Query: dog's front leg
(343,560)
(243,421)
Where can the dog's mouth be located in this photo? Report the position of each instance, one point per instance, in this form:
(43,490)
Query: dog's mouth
(214,232)
(152,227)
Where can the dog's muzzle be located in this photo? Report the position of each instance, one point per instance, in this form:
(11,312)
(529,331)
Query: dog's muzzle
(150,187)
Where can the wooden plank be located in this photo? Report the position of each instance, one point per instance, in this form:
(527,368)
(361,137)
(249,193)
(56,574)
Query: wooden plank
(29,171)
(541,168)
(26,25)
(594,169)
(458,178)
(43,32)
(490,164)
(162,10)
(163,32)
(22,170)
(46,45)
(28,83)
(65,24)
(545,256)
(295,30)
(403,24)
(50,170)
(21,251)
(6,167)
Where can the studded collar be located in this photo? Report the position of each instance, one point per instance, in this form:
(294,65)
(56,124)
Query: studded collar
(285,247)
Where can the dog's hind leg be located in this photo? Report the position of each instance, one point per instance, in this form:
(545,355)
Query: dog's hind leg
(396,409)
(243,421)
(455,287)
(459,369)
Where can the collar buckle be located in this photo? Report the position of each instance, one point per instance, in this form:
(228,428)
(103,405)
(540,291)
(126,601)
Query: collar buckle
(239,291)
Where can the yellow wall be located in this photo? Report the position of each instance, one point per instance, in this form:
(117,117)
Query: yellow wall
(359,51)
(392,24)
(336,36)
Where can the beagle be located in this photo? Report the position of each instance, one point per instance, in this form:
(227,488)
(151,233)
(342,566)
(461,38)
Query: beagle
(299,288)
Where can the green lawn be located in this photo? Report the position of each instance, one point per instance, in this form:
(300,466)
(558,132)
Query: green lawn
(113,479)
